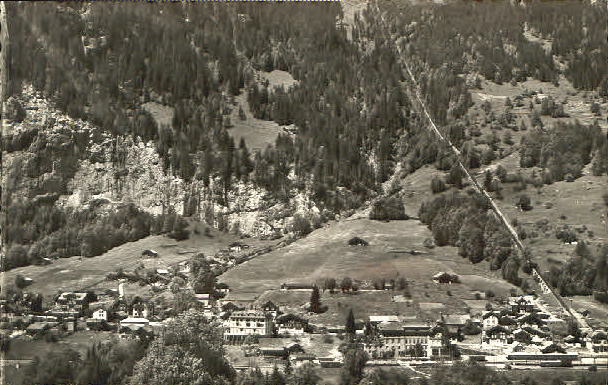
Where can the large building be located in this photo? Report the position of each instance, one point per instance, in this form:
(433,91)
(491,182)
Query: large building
(241,324)
(70,305)
(399,339)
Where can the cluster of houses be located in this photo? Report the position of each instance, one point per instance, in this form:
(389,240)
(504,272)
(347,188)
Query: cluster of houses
(522,326)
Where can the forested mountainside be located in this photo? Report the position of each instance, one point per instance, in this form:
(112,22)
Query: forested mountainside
(88,142)
(90,148)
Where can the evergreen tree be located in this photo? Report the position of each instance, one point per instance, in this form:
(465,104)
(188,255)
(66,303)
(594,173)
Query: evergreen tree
(350,323)
(315,300)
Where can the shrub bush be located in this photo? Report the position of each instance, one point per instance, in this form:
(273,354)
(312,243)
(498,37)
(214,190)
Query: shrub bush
(438,185)
(388,209)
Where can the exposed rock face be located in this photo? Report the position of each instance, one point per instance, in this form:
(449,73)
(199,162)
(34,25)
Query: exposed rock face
(125,169)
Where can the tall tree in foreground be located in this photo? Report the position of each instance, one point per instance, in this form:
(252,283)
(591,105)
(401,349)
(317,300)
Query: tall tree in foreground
(315,300)
(354,364)
(350,323)
(190,352)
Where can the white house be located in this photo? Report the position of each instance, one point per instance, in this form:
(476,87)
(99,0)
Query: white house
(100,314)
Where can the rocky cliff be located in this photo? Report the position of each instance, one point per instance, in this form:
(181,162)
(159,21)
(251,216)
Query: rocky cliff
(123,169)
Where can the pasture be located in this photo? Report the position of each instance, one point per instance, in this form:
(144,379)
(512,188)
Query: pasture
(76,273)
(324,253)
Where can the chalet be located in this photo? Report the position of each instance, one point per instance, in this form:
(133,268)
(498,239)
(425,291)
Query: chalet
(291,324)
(277,347)
(531,320)
(141,309)
(498,335)
(270,307)
(100,314)
(522,304)
(599,341)
(272,347)
(241,324)
(134,323)
(222,288)
(443,277)
(302,358)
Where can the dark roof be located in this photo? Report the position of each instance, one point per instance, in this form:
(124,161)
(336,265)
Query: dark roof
(285,318)
(497,329)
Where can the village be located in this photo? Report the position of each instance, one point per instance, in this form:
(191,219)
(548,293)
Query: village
(517,332)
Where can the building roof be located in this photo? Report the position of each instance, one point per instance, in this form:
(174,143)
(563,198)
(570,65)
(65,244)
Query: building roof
(497,329)
(489,314)
(135,320)
(162,271)
(71,295)
(232,296)
(273,343)
(248,314)
(456,319)
(383,318)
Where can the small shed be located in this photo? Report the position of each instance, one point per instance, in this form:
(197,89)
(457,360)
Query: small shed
(149,253)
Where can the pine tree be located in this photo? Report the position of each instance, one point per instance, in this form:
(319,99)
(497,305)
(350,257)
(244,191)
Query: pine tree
(350,323)
(315,300)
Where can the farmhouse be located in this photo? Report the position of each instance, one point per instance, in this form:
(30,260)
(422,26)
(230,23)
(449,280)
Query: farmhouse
(498,335)
(291,324)
(244,323)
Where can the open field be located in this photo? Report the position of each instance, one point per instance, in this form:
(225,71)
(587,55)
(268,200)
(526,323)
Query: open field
(324,253)
(257,133)
(77,273)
